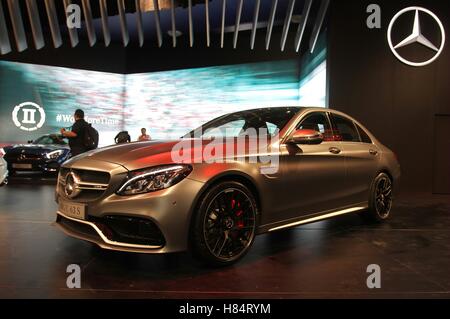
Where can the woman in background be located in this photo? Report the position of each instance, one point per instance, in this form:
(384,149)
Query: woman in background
(144,136)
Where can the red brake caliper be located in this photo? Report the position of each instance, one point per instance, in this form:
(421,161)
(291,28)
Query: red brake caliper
(239,213)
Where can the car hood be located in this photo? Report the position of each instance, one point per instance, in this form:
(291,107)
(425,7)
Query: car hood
(33,149)
(140,155)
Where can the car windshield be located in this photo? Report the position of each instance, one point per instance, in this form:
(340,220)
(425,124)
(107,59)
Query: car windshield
(268,121)
(51,139)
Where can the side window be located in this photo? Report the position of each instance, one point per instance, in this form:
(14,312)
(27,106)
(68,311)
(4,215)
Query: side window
(316,121)
(364,137)
(345,129)
(272,128)
(229,129)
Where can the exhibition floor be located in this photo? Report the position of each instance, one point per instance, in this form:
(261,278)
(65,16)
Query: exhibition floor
(321,260)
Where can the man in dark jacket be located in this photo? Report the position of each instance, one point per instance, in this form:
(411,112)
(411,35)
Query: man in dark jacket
(76,134)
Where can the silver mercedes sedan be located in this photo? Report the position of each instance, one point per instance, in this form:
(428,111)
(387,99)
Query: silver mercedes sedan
(237,176)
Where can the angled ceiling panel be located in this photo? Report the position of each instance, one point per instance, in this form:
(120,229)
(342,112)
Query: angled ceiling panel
(302,25)
(17,23)
(157,22)
(73,33)
(208,37)
(53,22)
(287,23)
(89,23)
(273,11)
(5,45)
(191,24)
(255,24)
(123,23)
(173,23)
(139,24)
(318,24)
(238,22)
(35,22)
(222,26)
(105,25)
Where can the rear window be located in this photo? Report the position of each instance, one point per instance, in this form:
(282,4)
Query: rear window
(364,137)
(345,129)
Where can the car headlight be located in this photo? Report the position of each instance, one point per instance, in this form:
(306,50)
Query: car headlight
(54,154)
(153,179)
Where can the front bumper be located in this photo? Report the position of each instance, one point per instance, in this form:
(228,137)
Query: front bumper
(95,233)
(35,165)
(168,210)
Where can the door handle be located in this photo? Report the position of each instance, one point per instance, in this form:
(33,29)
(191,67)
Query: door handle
(373,152)
(334,150)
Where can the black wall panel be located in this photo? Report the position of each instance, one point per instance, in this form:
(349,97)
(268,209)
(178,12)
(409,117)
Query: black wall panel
(441,163)
(395,101)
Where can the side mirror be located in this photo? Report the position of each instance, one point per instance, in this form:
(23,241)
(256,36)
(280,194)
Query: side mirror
(306,137)
(30,141)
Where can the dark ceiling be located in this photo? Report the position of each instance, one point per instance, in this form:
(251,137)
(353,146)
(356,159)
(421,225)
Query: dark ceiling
(34,24)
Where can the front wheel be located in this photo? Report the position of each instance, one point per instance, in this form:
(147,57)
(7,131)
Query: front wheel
(380,200)
(224,226)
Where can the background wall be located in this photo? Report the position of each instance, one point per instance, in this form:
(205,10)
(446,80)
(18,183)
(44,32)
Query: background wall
(400,104)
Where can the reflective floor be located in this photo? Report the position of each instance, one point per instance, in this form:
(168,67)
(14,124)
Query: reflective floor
(322,260)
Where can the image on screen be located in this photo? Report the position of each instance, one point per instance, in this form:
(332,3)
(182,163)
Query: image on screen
(168,104)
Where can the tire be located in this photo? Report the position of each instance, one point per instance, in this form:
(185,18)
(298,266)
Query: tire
(380,200)
(224,225)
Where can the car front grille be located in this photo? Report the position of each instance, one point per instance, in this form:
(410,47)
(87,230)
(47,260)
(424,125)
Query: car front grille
(22,157)
(30,157)
(92,184)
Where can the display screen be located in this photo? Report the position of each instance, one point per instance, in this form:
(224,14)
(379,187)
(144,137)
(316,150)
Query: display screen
(37,100)
(58,92)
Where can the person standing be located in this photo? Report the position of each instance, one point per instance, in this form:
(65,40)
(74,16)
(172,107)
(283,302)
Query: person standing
(144,136)
(76,135)
(122,137)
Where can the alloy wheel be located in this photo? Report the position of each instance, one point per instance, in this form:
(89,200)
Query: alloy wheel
(229,224)
(383,197)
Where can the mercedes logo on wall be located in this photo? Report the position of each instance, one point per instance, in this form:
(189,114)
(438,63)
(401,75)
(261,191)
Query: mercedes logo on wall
(416,35)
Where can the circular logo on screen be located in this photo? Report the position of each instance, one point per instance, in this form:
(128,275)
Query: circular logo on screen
(28,116)
(416,36)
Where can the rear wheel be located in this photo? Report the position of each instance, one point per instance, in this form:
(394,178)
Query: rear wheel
(381,197)
(225,224)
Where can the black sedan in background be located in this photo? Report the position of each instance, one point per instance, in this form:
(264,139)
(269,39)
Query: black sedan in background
(45,155)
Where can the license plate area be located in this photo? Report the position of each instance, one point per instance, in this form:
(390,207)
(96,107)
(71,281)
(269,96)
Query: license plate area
(22,166)
(73,210)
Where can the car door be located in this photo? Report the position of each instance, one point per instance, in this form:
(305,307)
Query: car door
(361,157)
(311,176)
